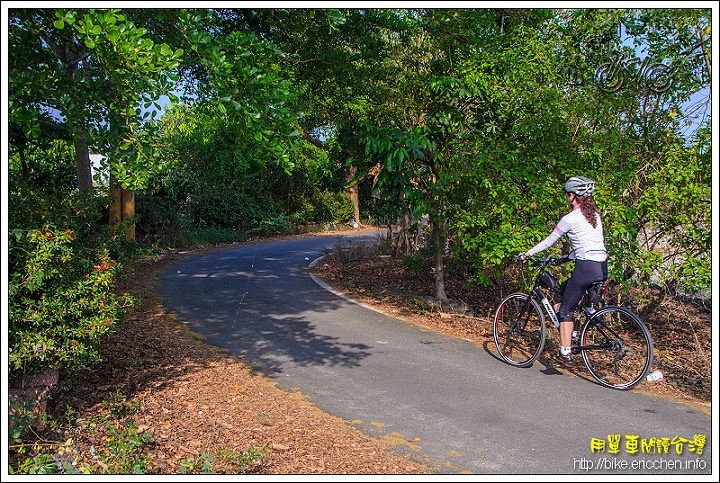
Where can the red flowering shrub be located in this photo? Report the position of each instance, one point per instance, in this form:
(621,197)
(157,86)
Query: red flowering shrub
(61,300)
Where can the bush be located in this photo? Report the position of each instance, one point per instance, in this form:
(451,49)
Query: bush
(61,301)
(202,236)
(414,263)
(158,221)
(222,208)
(62,263)
(332,206)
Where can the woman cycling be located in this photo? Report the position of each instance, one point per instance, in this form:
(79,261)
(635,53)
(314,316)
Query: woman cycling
(583,228)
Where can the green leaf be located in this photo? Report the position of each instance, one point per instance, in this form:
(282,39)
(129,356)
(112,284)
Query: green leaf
(166,51)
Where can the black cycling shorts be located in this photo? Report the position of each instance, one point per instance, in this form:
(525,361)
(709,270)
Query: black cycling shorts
(585,273)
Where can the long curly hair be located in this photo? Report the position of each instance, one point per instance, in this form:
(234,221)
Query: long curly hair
(589,210)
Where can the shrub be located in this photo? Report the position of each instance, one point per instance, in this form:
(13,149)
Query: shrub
(332,206)
(61,300)
(414,263)
(62,262)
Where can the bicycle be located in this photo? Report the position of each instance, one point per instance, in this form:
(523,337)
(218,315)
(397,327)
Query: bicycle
(615,344)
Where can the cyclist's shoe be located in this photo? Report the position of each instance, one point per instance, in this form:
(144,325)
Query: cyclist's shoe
(561,360)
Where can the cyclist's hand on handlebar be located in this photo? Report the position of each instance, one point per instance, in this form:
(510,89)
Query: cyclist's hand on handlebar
(521,256)
(564,259)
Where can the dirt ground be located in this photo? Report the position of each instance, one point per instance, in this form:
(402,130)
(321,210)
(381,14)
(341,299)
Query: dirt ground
(196,404)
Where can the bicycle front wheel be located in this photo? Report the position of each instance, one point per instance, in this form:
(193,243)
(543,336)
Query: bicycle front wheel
(519,334)
(616,347)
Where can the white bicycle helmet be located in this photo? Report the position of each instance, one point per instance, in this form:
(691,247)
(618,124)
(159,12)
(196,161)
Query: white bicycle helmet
(580,185)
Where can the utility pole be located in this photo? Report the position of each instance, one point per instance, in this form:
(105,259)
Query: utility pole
(122,207)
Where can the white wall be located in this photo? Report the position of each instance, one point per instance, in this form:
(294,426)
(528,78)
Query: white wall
(96,169)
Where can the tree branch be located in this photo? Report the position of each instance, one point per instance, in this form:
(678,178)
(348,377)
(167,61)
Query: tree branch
(314,142)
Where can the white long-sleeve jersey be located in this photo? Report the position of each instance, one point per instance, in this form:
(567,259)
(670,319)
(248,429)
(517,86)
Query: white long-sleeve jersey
(587,242)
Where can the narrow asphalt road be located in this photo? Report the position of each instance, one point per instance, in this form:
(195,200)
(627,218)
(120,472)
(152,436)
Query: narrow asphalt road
(442,401)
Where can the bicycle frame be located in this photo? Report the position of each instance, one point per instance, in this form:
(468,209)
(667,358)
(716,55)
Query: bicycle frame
(585,309)
(549,310)
(607,344)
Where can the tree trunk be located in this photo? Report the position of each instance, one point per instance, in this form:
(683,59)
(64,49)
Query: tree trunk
(400,238)
(23,162)
(70,58)
(438,249)
(656,298)
(350,172)
(84,167)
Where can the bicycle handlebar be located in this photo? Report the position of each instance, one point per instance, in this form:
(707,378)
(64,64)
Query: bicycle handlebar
(544,261)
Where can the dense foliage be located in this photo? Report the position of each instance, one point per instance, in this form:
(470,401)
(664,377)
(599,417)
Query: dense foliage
(63,264)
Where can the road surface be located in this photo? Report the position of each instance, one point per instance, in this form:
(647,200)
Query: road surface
(439,400)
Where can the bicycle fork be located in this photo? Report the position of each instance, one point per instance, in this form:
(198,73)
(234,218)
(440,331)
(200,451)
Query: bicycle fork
(523,316)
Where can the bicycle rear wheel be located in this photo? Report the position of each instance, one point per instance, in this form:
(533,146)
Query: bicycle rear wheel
(519,336)
(616,347)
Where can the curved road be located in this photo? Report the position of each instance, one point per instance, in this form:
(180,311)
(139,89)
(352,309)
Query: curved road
(445,401)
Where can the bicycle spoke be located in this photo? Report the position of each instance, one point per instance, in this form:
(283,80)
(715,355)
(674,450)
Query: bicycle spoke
(519,337)
(618,348)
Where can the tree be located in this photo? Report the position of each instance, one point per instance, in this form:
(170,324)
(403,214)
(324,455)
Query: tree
(336,58)
(511,159)
(97,76)
(432,119)
(102,75)
(205,183)
(632,128)
(95,71)
(535,105)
